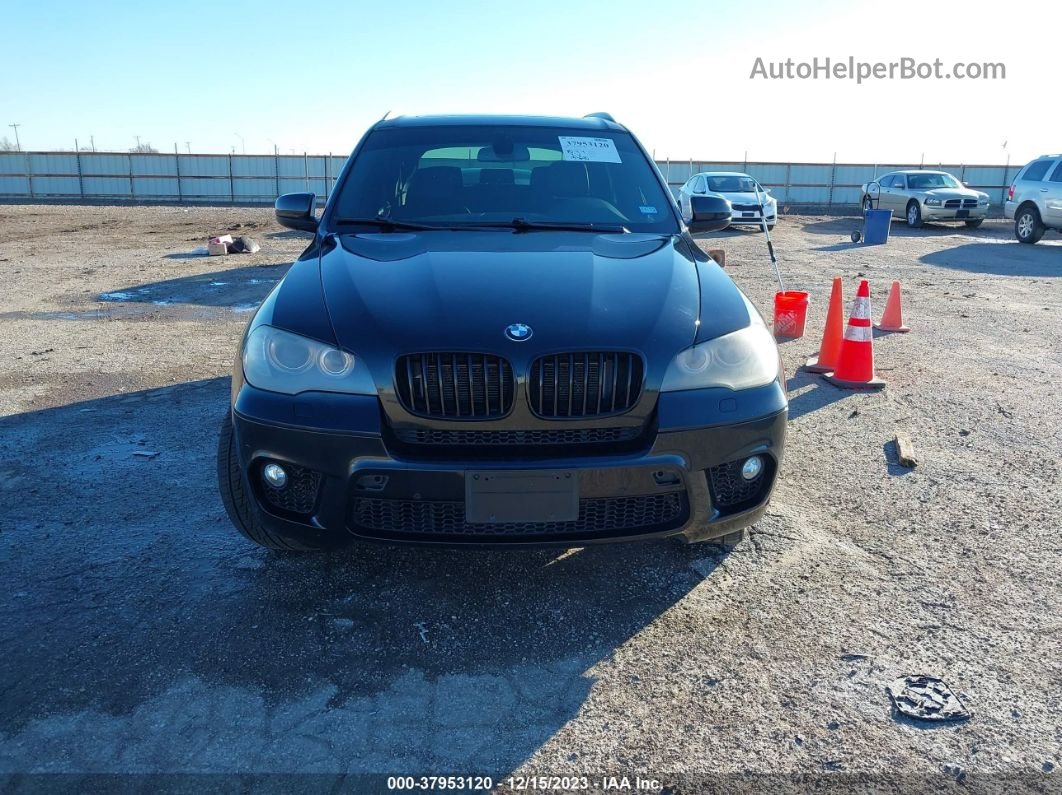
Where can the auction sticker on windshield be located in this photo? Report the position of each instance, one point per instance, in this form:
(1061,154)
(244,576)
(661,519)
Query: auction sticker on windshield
(589,150)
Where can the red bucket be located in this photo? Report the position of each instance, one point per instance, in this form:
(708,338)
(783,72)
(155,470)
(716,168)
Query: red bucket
(790,314)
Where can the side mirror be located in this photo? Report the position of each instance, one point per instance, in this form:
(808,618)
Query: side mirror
(296,211)
(709,213)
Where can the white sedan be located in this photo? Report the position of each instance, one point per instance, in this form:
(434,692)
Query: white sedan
(739,189)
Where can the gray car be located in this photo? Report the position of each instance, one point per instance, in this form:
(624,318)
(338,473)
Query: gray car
(917,196)
(1034,200)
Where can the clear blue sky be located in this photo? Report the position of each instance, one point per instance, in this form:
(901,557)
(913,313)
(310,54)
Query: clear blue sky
(312,76)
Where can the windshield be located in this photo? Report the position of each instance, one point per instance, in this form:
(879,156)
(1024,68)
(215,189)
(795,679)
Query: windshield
(454,176)
(731,184)
(930,181)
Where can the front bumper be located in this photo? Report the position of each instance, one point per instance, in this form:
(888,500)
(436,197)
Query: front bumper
(953,213)
(739,217)
(679,479)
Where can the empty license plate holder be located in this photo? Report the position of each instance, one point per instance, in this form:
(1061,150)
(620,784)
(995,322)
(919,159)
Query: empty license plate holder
(503,496)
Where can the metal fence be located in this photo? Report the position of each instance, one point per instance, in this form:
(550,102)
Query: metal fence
(250,179)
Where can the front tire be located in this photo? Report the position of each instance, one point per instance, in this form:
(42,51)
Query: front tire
(1028,227)
(914,215)
(239,503)
(973,223)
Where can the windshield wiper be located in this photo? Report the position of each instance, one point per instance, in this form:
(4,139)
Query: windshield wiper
(388,223)
(524,224)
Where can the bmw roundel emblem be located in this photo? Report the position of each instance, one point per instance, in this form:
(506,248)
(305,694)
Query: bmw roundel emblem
(519,332)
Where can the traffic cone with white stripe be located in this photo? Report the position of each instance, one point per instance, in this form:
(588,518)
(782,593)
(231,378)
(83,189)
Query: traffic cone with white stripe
(855,366)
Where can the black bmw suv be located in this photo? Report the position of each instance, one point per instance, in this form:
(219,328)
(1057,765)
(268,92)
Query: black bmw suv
(502,333)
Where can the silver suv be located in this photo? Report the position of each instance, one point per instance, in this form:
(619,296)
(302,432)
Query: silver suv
(1035,199)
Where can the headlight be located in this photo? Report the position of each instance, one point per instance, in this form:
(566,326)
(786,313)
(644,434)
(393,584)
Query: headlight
(740,360)
(933,202)
(280,361)
(982,201)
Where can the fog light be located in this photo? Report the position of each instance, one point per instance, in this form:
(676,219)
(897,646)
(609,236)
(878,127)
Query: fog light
(274,475)
(752,468)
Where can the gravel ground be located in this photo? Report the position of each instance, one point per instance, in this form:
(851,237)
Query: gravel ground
(139,633)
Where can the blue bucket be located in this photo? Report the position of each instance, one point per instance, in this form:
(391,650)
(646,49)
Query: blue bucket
(876,225)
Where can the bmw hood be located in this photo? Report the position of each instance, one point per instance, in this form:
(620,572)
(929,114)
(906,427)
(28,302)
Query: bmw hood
(392,293)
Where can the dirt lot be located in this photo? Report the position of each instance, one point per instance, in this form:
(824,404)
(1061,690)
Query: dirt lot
(138,632)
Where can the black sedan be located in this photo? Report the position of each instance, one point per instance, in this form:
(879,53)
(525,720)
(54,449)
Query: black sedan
(502,333)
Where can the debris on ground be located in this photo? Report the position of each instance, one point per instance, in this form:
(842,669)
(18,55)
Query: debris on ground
(145,454)
(219,246)
(244,245)
(225,244)
(423,630)
(905,453)
(926,698)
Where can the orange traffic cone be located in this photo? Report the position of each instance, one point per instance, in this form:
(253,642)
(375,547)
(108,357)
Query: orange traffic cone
(892,320)
(855,369)
(830,349)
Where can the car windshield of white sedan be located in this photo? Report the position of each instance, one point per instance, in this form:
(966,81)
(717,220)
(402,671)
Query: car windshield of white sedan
(731,184)
(931,181)
(455,176)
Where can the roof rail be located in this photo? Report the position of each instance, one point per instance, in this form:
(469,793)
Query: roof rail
(600,115)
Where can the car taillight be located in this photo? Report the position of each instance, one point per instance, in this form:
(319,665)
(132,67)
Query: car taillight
(1010,194)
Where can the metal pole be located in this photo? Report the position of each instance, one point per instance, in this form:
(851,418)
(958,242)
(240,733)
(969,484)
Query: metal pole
(306,171)
(328,176)
(132,190)
(232,188)
(18,146)
(29,172)
(177,166)
(1006,181)
(80,179)
(785,201)
(833,175)
(276,166)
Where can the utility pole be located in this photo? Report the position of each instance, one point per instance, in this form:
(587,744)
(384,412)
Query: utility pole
(18,146)
(243,143)
(92,142)
(137,142)
(188,146)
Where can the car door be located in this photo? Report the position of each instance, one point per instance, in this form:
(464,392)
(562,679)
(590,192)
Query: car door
(885,192)
(899,194)
(1052,203)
